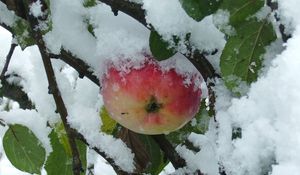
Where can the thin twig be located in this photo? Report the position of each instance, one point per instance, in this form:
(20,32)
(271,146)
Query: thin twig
(8,58)
(82,68)
(2,123)
(8,28)
(15,92)
(12,91)
(132,9)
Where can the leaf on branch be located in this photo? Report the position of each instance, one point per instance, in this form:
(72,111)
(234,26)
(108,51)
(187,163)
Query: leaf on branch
(157,159)
(240,10)
(198,9)
(108,124)
(243,53)
(159,47)
(59,161)
(21,30)
(63,138)
(23,149)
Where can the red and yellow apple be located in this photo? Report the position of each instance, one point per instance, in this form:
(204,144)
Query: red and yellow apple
(149,100)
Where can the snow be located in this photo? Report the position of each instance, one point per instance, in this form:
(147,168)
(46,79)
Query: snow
(6,16)
(267,115)
(175,22)
(221,20)
(36,9)
(204,160)
(267,112)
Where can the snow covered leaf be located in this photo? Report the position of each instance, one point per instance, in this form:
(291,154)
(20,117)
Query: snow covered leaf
(198,9)
(242,56)
(160,48)
(241,9)
(21,30)
(59,161)
(23,149)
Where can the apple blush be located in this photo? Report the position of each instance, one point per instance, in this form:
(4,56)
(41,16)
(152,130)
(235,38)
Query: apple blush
(149,100)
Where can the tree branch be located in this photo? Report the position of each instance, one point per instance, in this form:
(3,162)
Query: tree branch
(132,9)
(53,89)
(12,91)
(6,27)
(8,58)
(15,93)
(80,66)
(2,124)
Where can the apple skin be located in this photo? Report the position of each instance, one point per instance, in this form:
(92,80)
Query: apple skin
(149,100)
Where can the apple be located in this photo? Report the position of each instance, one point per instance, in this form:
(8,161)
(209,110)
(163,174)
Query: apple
(149,100)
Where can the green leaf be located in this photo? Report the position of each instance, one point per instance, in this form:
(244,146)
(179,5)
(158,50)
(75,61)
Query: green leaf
(198,9)
(21,30)
(59,161)
(23,149)
(242,56)
(157,158)
(89,3)
(108,124)
(240,10)
(160,48)
(199,124)
(63,138)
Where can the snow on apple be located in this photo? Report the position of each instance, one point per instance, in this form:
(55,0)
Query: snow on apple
(150,100)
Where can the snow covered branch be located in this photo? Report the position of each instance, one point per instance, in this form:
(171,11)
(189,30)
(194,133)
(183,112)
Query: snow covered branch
(15,93)
(82,68)
(8,58)
(54,90)
(117,169)
(132,9)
